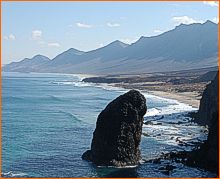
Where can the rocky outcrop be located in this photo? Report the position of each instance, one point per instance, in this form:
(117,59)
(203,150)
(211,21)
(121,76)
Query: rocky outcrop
(118,131)
(208,103)
(206,155)
(208,114)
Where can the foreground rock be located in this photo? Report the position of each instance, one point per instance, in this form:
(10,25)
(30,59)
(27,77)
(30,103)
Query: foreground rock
(118,131)
(206,154)
(208,104)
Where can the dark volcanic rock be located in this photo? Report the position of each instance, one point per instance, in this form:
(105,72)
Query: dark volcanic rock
(118,131)
(208,103)
(206,156)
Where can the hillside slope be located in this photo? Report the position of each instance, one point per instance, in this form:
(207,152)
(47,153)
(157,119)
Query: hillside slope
(191,46)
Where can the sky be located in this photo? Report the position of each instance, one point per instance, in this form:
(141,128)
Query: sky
(50,28)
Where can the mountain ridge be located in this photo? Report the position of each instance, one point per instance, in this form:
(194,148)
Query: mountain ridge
(184,47)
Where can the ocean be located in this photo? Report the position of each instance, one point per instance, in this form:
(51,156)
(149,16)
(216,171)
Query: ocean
(48,122)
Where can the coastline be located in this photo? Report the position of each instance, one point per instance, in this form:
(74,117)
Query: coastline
(190,98)
(185,87)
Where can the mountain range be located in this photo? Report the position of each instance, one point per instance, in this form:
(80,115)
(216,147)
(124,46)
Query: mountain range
(185,47)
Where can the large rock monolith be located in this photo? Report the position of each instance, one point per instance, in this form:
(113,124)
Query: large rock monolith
(118,131)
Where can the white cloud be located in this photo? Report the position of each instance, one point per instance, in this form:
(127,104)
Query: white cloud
(36,34)
(10,37)
(81,25)
(215,20)
(113,24)
(211,3)
(54,44)
(185,20)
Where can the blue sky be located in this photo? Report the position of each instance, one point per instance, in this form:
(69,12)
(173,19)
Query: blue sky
(49,28)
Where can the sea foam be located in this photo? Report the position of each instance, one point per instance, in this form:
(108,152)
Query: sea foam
(173,106)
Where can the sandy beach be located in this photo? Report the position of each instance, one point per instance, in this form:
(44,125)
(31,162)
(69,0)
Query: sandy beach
(190,98)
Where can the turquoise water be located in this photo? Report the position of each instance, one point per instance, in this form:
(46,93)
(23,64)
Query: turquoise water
(48,121)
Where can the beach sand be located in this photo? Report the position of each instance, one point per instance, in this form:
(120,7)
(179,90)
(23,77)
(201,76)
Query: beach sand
(188,93)
(190,98)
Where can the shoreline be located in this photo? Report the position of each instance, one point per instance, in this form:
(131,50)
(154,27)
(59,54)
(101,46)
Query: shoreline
(184,87)
(189,98)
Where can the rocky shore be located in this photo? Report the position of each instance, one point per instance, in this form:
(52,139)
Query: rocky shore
(206,155)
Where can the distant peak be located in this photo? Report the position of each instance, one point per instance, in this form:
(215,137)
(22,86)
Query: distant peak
(75,51)
(36,58)
(208,22)
(116,41)
(142,37)
(119,43)
(182,25)
(40,57)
